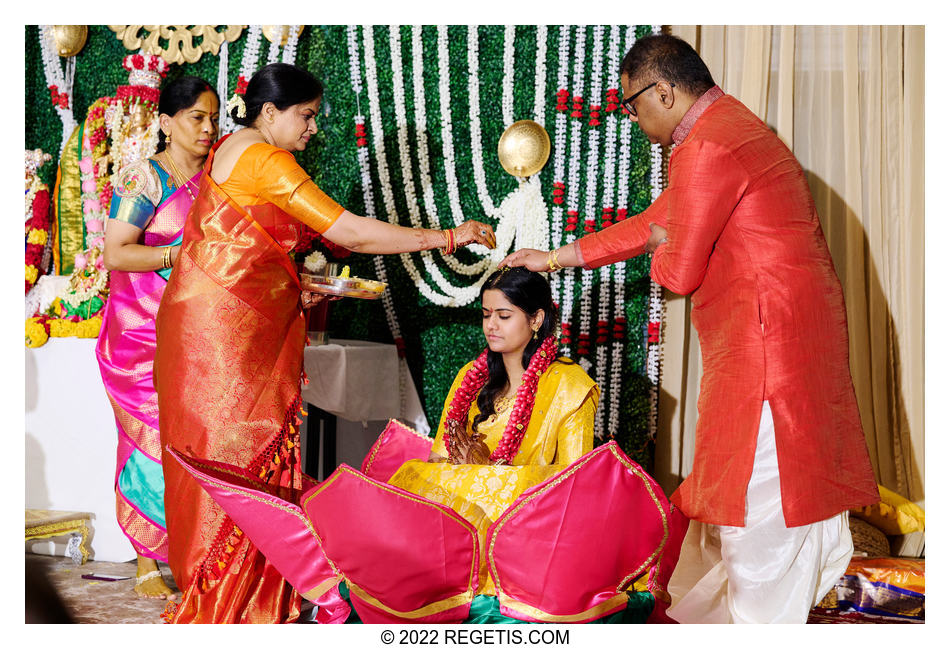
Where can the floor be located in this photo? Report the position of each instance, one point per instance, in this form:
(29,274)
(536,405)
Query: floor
(114,602)
(98,602)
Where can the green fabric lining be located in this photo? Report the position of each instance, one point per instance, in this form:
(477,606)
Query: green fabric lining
(142,483)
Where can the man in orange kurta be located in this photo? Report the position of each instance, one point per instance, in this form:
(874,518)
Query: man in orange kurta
(737,230)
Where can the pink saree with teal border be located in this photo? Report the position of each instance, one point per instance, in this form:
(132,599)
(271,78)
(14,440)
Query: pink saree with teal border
(125,352)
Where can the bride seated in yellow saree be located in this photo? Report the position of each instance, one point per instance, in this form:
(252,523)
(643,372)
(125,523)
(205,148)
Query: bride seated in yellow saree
(508,515)
(514,417)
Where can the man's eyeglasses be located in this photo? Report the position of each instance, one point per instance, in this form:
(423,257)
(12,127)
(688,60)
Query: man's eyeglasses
(627,103)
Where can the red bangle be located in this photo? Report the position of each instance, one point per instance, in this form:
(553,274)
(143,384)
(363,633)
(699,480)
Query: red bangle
(449,241)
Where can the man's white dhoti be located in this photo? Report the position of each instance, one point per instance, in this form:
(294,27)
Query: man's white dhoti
(764,572)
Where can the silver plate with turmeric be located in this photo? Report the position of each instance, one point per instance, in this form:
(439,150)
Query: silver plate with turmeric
(364,289)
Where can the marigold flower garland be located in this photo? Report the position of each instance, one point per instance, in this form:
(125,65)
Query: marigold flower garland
(37,234)
(37,220)
(520,415)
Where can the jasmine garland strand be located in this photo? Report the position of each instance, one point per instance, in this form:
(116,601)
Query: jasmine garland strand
(457,296)
(560,158)
(590,195)
(370,208)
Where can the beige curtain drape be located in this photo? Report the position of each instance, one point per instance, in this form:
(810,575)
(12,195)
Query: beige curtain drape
(849,102)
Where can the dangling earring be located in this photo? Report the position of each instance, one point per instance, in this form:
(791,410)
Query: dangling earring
(535,334)
(168,137)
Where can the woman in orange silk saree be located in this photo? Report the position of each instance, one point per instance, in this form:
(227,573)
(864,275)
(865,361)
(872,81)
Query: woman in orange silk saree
(230,339)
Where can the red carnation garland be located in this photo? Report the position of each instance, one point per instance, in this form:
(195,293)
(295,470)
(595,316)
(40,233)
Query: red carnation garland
(39,222)
(520,416)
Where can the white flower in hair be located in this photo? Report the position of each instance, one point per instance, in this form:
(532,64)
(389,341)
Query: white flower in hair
(238,101)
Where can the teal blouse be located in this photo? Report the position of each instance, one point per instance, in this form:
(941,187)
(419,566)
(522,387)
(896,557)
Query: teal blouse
(141,188)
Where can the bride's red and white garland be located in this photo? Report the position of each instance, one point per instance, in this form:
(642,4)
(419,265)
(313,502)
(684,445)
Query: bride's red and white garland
(520,416)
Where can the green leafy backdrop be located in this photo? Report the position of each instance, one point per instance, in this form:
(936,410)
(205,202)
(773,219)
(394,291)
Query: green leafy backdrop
(438,340)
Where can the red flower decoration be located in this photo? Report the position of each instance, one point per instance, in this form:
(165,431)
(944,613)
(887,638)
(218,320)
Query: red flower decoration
(241,85)
(653,332)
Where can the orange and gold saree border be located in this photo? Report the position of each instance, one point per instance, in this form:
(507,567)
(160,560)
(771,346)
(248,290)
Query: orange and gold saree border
(433,608)
(604,607)
(224,199)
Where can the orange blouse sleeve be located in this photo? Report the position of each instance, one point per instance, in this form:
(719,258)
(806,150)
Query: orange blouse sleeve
(281,181)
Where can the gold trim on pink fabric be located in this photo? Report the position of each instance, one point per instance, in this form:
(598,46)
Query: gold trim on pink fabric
(446,511)
(429,609)
(319,591)
(654,556)
(617,601)
(378,444)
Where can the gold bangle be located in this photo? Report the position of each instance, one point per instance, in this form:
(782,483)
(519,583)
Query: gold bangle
(553,263)
(167,257)
(450,246)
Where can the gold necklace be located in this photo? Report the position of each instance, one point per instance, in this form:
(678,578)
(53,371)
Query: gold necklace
(263,135)
(503,403)
(180,179)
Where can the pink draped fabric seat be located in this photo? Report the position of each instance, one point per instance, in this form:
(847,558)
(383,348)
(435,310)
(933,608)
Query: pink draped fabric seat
(564,551)
(395,446)
(568,548)
(405,558)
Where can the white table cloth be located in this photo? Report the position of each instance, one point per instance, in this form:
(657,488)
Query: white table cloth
(359,381)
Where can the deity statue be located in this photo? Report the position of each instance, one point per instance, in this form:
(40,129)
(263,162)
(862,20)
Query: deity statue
(117,130)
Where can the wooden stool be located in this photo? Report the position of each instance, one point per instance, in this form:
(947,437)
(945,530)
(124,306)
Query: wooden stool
(44,523)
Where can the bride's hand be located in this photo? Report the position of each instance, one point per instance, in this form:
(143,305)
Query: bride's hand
(470,449)
(477,451)
(435,458)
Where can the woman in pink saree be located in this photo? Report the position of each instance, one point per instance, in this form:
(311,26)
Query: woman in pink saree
(144,233)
